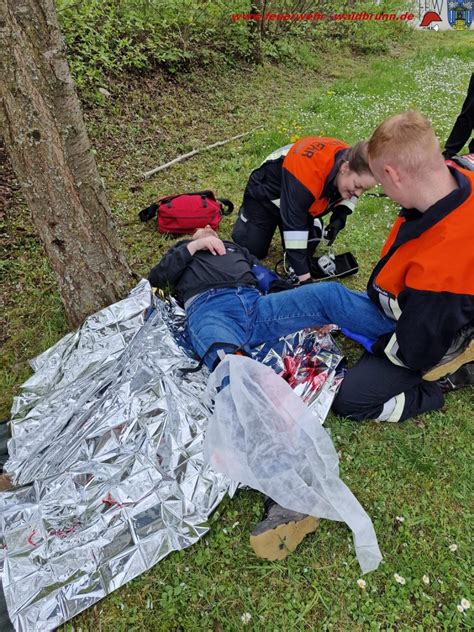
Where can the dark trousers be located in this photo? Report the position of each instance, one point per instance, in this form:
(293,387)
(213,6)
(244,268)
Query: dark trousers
(373,381)
(463,126)
(257,223)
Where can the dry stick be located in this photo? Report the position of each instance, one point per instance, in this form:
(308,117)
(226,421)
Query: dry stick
(197,151)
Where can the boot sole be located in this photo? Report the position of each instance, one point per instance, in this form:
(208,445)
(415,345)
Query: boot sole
(453,365)
(277,543)
(5,483)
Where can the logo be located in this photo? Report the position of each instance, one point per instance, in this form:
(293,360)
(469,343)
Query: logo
(429,18)
(460,14)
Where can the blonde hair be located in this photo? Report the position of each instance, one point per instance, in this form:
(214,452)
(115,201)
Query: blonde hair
(406,140)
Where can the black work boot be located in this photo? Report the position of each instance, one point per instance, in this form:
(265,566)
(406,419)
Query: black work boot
(460,352)
(461,378)
(280,531)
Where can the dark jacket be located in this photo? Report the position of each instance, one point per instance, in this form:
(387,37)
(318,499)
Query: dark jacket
(187,275)
(463,126)
(299,179)
(425,278)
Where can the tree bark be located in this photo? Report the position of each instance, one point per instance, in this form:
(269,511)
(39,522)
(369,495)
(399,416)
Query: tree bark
(255,30)
(46,140)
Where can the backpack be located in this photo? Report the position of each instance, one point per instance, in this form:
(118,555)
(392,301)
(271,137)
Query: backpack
(183,213)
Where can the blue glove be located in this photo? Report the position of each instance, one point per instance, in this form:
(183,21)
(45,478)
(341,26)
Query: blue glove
(367,343)
(264,276)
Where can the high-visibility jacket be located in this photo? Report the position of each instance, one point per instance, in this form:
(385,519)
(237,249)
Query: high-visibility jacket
(425,278)
(299,180)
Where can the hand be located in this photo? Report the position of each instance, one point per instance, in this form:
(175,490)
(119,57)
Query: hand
(213,244)
(337,223)
(333,228)
(330,233)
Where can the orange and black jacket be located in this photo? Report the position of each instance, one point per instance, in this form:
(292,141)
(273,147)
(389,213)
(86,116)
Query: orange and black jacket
(299,179)
(425,278)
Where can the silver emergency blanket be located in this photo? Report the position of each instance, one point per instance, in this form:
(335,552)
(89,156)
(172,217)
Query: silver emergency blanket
(263,435)
(107,451)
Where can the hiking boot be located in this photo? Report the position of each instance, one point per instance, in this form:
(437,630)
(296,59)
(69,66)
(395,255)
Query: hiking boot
(459,353)
(5,483)
(461,378)
(280,531)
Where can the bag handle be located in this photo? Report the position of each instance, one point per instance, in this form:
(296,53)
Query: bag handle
(148,213)
(169,198)
(226,206)
(151,211)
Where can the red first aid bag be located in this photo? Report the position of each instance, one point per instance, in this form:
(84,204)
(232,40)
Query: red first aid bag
(183,213)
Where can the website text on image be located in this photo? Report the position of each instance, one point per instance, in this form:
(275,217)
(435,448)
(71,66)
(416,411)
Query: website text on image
(435,15)
(354,16)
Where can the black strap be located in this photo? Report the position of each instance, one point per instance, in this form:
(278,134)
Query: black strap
(215,345)
(226,206)
(208,194)
(148,213)
(193,369)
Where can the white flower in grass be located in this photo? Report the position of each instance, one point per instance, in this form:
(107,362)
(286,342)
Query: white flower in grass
(425,579)
(399,579)
(453,548)
(465,603)
(361,583)
(399,518)
(460,608)
(245,618)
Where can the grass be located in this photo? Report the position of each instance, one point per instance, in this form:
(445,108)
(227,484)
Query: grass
(419,471)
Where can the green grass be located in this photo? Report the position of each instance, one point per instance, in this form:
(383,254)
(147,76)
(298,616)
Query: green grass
(419,471)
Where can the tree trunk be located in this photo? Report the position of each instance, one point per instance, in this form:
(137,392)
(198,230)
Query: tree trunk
(51,155)
(255,29)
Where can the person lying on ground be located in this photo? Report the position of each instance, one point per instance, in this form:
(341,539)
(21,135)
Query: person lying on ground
(419,306)
(293,186)
(225,311)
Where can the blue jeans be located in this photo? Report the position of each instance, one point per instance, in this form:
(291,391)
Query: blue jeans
(242,317)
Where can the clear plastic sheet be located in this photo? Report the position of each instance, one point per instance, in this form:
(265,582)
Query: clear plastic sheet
(261,434)
(107,451)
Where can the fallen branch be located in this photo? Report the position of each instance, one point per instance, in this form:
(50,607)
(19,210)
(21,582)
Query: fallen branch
(198,151)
